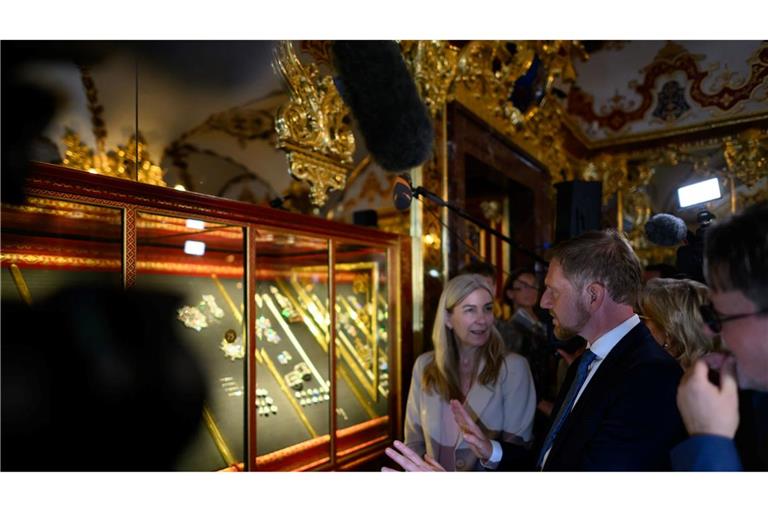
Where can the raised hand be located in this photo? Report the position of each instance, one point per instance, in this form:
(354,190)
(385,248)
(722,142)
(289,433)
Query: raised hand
(705,407)
(409,460)
(472,433)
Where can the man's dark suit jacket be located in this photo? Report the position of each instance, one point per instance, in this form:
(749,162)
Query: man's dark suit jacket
(627,418)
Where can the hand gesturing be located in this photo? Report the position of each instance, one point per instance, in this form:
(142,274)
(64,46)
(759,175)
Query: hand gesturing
(477,440)
(409,460)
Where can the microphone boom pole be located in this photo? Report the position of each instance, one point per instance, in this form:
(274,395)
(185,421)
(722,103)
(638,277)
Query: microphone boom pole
(421,191)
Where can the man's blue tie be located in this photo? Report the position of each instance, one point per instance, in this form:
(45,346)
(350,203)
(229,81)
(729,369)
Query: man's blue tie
(578,381)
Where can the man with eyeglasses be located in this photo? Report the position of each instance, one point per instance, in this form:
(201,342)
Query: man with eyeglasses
(728,427)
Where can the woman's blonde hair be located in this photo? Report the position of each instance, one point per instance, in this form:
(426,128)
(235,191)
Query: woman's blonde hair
(442,373)
(673,305)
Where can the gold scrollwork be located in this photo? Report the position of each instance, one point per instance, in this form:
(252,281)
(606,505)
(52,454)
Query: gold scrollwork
(131,161)
(76,153)
(312,127)
(542,137)
(322,174)
(611,170)
(482,75)
(489,70)
(433,65)
(121,163)
(747,156)
(628,185)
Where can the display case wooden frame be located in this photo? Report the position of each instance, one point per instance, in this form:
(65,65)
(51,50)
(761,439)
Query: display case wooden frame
(346,448)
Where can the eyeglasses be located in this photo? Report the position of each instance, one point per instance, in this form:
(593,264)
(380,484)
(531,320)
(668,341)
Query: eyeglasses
(715,320)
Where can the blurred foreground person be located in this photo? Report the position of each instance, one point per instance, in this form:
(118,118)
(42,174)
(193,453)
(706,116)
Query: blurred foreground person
(728,427)
(97,379)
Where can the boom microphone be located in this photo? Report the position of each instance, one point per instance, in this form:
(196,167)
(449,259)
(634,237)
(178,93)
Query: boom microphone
(665,229)
(374,82)
(402,193)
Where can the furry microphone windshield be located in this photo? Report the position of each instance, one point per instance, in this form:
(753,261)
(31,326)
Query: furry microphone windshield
(665,229)
(374,82)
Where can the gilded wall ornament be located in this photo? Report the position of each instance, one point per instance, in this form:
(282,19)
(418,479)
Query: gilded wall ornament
(320,50)
(131,161)
(557,57)
(312,127)
(746,156)
(433,65)
(76,153)
(120,163)
(610,169)
(482,75)
(489,69)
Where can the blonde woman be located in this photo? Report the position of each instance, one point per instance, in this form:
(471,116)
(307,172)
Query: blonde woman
(671,311)
(470,400)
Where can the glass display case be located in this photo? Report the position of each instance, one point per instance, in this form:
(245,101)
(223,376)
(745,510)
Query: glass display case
(296,320)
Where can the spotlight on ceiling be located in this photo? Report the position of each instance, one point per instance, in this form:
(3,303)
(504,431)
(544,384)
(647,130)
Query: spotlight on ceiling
(698,193)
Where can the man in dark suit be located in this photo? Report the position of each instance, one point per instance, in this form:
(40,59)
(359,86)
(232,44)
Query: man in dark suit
(727,416)
(616,409)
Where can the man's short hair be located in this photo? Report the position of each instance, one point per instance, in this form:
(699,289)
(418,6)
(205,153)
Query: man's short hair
(736,254)
(604,257)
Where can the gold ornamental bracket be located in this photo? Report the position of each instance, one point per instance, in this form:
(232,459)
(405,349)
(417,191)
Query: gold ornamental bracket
(321,172)
(313,127)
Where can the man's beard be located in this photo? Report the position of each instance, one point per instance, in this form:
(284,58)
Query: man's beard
(563,332)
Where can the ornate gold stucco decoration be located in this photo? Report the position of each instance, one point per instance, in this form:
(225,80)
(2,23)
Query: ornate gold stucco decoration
(627,183)
(433,65)
(542,137)
(611,170)
(482,75)
(119,163)
(488,71)
(746,156)
(312,127)
(76,153)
